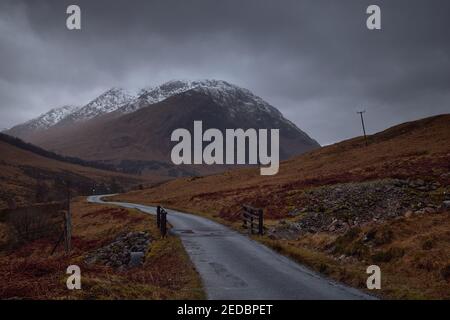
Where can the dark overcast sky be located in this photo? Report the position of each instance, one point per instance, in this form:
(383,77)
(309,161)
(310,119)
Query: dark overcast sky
(313,60)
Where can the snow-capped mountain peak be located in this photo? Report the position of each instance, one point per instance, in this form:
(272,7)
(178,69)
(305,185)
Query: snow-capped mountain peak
(107,102)
(156,94)
(235,99)
(221,91)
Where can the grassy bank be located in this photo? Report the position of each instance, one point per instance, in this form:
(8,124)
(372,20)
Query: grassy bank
(29,271)
(413,252)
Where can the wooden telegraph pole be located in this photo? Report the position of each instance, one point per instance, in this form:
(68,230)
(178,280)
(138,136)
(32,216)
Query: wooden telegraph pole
(363,127)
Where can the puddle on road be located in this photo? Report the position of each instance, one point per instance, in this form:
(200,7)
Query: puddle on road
(231,279)
(201,233)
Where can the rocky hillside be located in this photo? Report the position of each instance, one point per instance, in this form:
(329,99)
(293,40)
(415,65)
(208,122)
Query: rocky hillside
(338,208)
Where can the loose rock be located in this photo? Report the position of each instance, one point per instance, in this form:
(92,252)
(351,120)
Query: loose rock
(127,250)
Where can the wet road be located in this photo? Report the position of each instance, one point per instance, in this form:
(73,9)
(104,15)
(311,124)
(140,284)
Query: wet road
(232,266)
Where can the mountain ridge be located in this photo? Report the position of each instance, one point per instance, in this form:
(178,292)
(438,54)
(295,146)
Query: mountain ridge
(43,121)
(144,135)
(134,133)
(109,101)
(119,100)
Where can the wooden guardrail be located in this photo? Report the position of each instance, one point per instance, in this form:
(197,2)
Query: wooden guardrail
(161,220)
(253,220)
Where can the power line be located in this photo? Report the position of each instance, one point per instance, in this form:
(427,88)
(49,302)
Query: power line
(363,126)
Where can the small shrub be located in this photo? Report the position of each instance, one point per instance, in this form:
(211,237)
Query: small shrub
(323,268)
(383,236)
(428,244)
(358,249)
(370,235)
(389,255)
(346,244)
(445,272)
(32,223)
(352,234)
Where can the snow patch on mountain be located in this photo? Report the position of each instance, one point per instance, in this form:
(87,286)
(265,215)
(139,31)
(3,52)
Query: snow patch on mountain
(51,117)
(237,100)
(156,94)
(234,98)
(107,102)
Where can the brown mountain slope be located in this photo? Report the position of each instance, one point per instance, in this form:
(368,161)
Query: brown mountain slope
(141,140)
(410,150)
(23,172)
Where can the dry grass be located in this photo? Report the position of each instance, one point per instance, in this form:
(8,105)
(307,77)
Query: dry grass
(30,272)
(411,150)
(419,149)
(414,259)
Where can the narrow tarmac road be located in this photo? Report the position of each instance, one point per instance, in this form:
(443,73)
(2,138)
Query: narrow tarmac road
(233,266)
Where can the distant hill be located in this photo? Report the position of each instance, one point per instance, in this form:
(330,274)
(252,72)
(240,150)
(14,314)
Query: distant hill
(51,155)
(29,174)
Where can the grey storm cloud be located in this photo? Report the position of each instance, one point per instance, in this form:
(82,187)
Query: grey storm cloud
(314,60)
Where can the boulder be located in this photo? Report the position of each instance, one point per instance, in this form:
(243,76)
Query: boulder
(294,213)
(429,210)
(125,251)
(136,259)
(408,214)
(446,204)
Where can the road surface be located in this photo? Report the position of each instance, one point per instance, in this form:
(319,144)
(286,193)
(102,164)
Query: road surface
(233,266)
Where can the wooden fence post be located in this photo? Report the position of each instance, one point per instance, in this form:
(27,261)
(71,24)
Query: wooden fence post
(68,223)
(163,223)
(158,216)
(261,225)
(252,216)
(67,231)
(63,233)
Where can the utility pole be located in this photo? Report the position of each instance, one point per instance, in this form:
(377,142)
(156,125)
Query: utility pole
(363,127)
